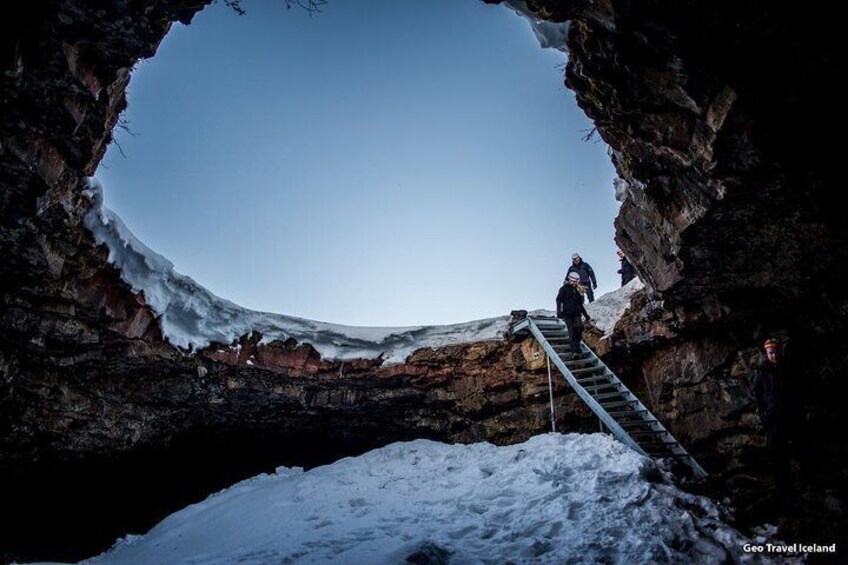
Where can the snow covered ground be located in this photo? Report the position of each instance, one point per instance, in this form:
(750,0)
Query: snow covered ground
(553,499)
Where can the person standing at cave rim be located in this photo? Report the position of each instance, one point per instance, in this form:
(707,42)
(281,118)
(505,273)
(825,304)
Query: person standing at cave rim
(569,304)
(587,275)
(626,271)
(771,391)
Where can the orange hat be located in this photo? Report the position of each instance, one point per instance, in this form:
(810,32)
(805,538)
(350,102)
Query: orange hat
(771,343)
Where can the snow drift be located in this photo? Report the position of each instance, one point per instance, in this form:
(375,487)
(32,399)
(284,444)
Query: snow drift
(608,309)
(554,499)
(192,317)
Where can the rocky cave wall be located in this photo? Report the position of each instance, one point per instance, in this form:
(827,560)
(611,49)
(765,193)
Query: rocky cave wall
(717,114)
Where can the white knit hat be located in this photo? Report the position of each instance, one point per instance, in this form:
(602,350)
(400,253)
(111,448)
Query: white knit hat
(574,275)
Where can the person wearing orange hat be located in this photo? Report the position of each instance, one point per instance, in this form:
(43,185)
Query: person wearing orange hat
(770,386)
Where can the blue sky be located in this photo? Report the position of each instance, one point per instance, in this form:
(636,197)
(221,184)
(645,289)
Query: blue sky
(383,163)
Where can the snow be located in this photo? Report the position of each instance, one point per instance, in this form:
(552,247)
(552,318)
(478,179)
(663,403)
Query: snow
(191,317)
(553,499)
(625,190)
(622,189)
(608,309)
(551,35)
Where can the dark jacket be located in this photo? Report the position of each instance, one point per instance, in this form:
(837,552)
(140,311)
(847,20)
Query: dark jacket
(627,272)
(570,302)
(586,273)
(770,388)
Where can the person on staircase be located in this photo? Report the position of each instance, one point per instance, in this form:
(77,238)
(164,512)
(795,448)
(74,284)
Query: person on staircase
(569,304)
(587,275)
(627,272)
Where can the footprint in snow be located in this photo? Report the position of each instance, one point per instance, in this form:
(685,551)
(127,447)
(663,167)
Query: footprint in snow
(487,472)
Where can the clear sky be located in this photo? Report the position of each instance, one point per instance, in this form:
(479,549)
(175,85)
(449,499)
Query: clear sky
(383,163)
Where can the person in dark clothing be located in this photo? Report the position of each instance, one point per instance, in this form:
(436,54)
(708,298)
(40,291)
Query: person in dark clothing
(569,304)
(587,275)
(771,391)
(627,272)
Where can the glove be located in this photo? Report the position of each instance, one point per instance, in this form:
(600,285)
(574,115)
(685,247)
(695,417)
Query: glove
(594,286)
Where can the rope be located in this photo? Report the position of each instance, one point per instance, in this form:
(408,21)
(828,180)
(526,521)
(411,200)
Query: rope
(551,392)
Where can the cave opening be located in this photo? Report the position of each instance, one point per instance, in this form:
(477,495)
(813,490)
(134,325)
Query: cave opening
(394,145)
(480,155)
(177,104)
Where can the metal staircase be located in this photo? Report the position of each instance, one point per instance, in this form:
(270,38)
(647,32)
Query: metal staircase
(618,408)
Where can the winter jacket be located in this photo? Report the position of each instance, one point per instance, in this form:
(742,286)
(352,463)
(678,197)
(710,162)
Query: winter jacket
(587,275)
(770,389)
(627,272)
(569,302)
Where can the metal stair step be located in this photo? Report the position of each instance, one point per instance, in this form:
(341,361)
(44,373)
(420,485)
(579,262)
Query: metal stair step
(628,413)
(652,448)
(605,385)
(617,394)
(619,403)
(647,433)
(631,424)
(595,379)
(665,442)
(591,369)
(581,361)
(578,361)
(662,454)
(576,364)
(673,456)
(570,357)
(658,450)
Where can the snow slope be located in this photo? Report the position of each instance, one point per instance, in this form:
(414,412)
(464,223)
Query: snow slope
(554,499)
(192,317)
(608,309)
